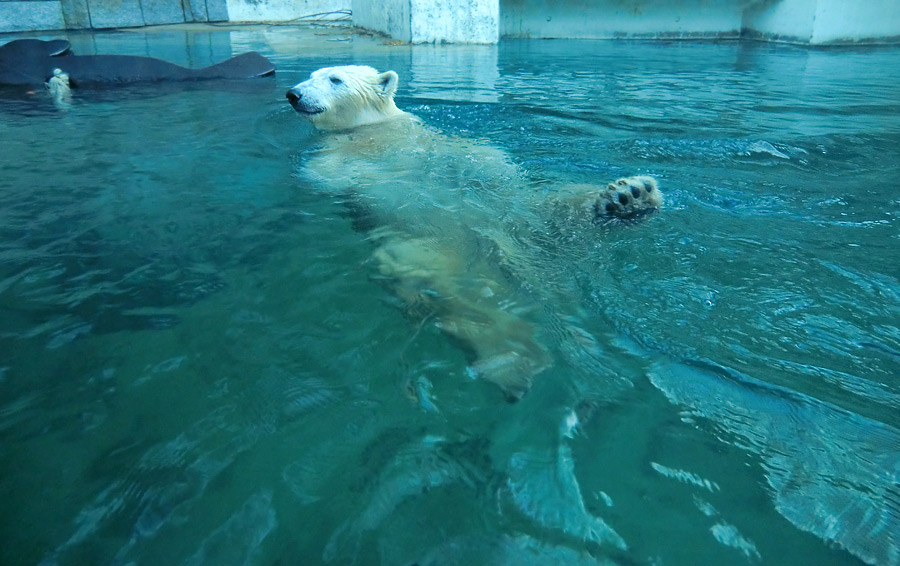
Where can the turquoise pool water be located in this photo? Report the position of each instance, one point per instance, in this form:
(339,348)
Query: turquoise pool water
(199,364)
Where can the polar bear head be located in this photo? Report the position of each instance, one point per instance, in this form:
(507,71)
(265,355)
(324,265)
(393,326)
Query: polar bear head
(338,98)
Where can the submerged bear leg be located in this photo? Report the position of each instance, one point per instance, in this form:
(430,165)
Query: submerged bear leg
(502,343)
(478,310)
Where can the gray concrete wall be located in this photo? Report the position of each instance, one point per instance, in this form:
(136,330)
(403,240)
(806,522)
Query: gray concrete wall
(813,22)
(37,15)
(286,10)
(454,21)
(825,22)
(103,14)
(611,19)
(31,15)
(839,21)
(431,21)
(391,19)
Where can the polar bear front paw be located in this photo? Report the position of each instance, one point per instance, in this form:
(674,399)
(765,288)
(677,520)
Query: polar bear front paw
(628,197)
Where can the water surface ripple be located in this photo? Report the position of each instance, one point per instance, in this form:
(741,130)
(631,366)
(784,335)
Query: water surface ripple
(200,363)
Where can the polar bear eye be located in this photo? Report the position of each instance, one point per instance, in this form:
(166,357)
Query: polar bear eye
(336,81)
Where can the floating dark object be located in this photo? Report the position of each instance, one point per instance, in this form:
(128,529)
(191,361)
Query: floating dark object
(32,61)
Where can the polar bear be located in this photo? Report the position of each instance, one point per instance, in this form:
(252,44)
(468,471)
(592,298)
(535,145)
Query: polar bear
(435,207)
(60,89)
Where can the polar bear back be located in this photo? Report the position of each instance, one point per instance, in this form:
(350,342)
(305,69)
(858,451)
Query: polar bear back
(408,173)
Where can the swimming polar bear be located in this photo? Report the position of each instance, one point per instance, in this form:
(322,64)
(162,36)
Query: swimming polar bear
(435,207)
(60,89)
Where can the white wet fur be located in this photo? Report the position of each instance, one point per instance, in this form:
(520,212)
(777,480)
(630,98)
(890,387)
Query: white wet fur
(59,87)
(337,98)
(433,202)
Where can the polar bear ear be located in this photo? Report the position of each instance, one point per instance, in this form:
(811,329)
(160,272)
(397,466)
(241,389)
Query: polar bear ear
(388,81)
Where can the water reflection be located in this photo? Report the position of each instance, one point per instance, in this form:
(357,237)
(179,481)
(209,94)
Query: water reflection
(463,73)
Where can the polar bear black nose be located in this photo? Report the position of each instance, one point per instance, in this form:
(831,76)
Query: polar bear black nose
(293,95)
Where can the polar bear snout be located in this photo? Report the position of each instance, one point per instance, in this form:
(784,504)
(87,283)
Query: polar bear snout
(293,95)
(301,104)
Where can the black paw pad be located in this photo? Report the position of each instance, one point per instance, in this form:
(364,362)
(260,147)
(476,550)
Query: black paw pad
(628,197)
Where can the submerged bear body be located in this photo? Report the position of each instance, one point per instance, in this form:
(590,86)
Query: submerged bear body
(439,209)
